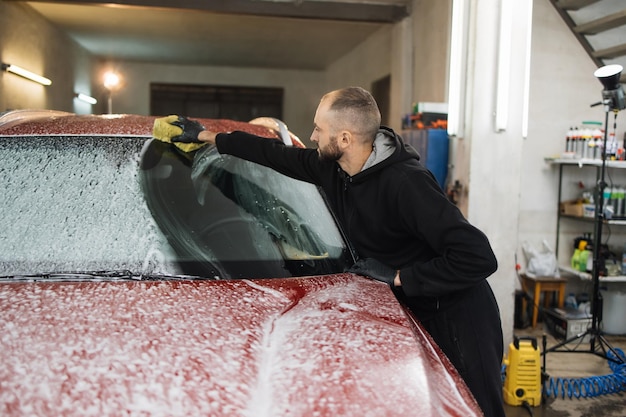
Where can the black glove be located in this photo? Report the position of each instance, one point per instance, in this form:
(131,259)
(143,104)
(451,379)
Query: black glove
(372,268)
(191,130)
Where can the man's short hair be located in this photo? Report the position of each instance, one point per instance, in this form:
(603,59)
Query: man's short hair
(357,111)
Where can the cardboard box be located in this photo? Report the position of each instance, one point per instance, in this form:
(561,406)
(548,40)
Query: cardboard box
(565,323)
(572,208)
(429,107)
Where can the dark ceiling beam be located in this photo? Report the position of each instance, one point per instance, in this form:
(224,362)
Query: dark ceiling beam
(612,52)
(307,9)
(580,37)
(605,23)
(574,4)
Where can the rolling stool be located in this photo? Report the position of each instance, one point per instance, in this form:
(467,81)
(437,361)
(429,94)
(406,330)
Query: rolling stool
(538,285)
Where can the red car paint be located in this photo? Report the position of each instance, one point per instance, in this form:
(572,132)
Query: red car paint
(329,346)
(33,123)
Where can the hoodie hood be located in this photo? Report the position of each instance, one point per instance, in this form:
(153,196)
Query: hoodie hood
(388,148)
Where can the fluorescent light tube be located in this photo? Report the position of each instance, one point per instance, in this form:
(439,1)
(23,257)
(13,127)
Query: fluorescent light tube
(26,74)
(504,65)
(525,109)
(86,98)
(458,68)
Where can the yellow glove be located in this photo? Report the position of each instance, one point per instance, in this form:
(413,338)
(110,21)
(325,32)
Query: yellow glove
(180,131)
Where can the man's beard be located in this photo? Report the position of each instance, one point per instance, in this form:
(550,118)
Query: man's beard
(330,152)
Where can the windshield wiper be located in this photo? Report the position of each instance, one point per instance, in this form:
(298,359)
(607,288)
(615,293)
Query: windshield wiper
(104,275)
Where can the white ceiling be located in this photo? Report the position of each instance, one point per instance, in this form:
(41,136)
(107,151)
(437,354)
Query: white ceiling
(295,34)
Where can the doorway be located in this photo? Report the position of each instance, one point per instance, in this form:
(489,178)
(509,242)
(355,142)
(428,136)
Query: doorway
(216,102)
(381,91)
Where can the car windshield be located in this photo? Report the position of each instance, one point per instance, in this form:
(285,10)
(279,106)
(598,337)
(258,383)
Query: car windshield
(73,203)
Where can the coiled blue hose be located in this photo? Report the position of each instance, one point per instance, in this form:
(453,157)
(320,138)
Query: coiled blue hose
(592,386)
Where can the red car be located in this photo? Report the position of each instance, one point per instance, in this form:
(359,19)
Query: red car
(140,279)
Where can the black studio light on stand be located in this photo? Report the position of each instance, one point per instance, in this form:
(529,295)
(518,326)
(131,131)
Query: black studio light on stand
(613,101)
(613,93)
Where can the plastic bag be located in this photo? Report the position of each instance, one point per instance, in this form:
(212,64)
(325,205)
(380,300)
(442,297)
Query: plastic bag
(541,262)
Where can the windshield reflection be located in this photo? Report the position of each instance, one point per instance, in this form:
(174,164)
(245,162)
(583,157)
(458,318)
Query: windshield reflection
(231,218)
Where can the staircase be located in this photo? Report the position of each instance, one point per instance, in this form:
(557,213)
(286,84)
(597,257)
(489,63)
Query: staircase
(600,27)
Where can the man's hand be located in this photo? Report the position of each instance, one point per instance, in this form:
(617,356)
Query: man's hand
(190,128)
(177,129)
(372,268)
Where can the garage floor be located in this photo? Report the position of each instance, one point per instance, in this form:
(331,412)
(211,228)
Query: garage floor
(576,365)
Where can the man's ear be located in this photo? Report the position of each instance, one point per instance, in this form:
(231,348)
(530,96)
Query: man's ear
(345,138)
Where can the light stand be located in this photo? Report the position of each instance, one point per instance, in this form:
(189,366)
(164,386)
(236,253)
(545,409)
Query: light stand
(111,83)
(613,100)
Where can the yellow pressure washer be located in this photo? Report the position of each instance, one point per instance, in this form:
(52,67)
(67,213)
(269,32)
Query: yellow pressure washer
(522,382)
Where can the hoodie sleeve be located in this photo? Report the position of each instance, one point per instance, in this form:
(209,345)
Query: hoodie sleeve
(298,163)
(460,254)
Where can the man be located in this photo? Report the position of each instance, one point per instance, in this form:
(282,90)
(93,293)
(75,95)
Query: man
(404,229)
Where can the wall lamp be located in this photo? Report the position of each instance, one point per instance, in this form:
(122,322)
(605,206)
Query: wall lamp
(85,98)
(112,82)
(26,74)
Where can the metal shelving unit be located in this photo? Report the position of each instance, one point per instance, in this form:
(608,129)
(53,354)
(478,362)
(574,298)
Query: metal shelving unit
(597,165)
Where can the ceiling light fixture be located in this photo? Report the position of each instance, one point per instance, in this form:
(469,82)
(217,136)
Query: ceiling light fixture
(85,98)
(26,74)
(529,36)
(458,68)
(504,65)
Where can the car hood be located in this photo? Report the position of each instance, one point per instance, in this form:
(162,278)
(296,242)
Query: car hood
(52,122)
(332,345)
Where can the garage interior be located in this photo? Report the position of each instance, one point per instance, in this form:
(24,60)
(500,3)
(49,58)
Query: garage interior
(515,78)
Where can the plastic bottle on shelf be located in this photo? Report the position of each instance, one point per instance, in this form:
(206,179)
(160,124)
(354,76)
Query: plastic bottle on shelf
(597,142)
(579,258)
(588,254)
(611,147)
(591,149)
(570,301)
(585,258)
(599,147)
(606,196)
(575,259)
(584,305)
(618,195)
(592,131)
(569,139)
(576,145)
(614,198)
(586,137)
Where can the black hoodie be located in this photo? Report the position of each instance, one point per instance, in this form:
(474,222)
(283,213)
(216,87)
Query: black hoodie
(393,211)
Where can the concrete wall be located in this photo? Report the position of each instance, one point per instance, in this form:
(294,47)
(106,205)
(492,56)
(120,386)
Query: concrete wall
(368,62)
(31,42)
(431,38)
(302,88)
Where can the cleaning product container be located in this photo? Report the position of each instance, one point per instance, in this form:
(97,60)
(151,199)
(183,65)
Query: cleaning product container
(614,308)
